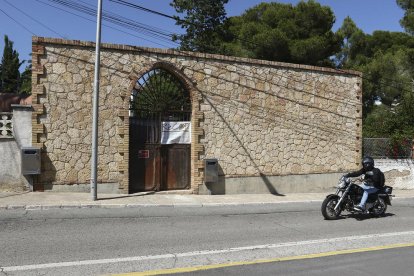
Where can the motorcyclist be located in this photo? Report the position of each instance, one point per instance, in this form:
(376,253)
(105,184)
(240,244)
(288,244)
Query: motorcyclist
(371,183)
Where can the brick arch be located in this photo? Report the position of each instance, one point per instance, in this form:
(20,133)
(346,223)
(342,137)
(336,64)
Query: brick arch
(197,149)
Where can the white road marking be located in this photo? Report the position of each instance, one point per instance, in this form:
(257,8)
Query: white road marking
(204,252)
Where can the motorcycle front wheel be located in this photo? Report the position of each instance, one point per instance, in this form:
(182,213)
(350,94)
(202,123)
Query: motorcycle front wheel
(328,206)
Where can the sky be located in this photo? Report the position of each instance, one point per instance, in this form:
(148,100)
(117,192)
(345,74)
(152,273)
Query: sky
(21,19)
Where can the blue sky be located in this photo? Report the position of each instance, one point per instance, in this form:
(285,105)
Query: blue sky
(31,15)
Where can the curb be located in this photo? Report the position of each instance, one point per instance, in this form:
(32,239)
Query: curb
(38,207)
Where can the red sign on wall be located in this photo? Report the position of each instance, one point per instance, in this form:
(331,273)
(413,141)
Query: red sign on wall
(143,154)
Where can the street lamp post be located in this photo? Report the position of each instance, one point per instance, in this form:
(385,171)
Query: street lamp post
(94,159)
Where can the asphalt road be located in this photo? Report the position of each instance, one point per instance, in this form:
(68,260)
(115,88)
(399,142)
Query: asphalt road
(380,263)
(104,241)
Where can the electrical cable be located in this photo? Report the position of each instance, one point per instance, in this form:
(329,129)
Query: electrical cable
(91,11)
(125,3)
(147,26)
(18,23)
(286,99)
(330,133)
(94,21)
(126,23)
(128,4)
(37,21)
(117,19)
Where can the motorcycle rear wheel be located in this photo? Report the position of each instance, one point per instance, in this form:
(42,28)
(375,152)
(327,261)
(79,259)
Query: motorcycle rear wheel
(328,206)
(379,208)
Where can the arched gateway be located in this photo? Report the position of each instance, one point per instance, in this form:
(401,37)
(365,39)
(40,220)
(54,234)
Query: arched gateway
(160,133)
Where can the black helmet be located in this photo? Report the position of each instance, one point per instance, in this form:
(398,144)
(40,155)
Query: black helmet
(368,163)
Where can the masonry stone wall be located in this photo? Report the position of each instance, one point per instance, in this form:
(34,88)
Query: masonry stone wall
(258,118)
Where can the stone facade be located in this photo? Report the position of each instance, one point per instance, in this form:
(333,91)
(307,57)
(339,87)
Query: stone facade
(258,118)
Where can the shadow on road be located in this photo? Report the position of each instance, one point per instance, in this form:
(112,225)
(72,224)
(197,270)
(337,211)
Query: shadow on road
(362,217)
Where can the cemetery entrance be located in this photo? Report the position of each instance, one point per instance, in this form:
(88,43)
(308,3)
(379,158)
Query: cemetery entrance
(160,133)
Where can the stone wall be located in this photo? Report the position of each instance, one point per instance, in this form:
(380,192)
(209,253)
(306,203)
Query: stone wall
(258,118)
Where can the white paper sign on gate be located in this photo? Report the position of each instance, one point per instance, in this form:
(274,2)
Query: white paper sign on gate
(176,133)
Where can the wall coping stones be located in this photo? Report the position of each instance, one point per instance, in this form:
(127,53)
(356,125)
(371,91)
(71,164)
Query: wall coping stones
(22,106)
(90,44)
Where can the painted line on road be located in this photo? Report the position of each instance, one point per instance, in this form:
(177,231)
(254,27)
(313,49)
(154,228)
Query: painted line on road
(199,253)
(292,258)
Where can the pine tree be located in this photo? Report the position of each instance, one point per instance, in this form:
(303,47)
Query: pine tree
(407,22)
(9,70)
(26,79)
(203,21)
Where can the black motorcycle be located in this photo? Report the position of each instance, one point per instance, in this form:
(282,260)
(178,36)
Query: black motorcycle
(349,194)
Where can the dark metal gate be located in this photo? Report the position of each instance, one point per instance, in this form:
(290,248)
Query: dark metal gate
(158,97)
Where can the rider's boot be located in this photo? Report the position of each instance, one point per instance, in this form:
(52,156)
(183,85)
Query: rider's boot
(359,208)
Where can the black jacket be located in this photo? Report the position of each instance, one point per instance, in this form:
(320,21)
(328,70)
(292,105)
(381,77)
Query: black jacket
(372,178)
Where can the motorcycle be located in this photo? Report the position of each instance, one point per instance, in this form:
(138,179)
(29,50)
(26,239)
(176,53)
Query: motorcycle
(349,194)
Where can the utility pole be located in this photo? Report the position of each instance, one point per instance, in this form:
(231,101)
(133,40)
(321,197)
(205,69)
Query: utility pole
(94,159)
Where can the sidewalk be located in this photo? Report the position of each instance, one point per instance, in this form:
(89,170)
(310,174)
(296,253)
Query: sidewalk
(52,200)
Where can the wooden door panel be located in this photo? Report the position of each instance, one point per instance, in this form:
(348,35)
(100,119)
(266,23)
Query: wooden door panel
(176,167)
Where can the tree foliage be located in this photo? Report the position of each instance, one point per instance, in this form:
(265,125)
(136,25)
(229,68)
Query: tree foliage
(407,22)
(26,81)
(203,21)
(386,61)
(349,34)
(282,32)
(9,70)
(271,31)
(11,81)
(303,34)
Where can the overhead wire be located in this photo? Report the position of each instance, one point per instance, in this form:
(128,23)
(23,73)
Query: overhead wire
(67,1)
(123,21)
(122,2)
(125,3)
(35,20)
(17,22)
(302,103)
(108,26)
(144,9)
(298,124)
(148,26)
(126,23)
(236,107)
(128,4)
(115,19)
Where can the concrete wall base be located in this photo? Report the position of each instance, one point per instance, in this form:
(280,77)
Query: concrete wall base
(104,188)
(310,183)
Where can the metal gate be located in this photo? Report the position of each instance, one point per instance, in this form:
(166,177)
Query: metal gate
(158,97)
